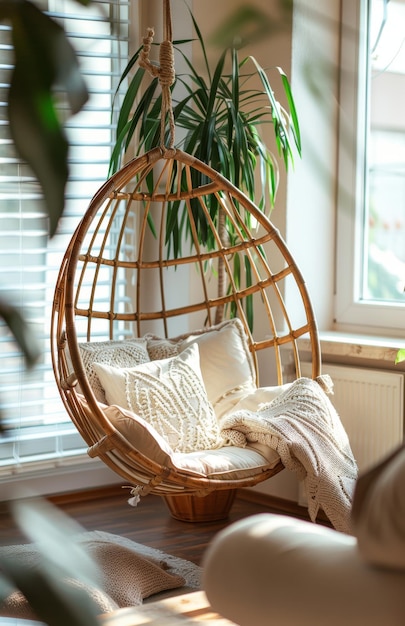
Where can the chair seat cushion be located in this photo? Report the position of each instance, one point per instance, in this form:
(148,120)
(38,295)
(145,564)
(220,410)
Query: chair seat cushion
(228,462)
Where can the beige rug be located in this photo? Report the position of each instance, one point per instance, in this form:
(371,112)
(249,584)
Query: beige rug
(128,573)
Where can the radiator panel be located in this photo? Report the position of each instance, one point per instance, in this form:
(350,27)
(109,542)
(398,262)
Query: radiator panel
(370,404)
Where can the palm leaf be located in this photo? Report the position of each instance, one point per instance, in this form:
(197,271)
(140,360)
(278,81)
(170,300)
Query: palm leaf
(202,45)
(280,128)
(125,73)
(129,99)
(293,111)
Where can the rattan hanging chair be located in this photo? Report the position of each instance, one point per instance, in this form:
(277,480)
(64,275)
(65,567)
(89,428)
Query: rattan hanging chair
(114,248)
(124,277)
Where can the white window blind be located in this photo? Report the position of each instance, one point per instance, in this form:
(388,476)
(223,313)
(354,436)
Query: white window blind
(38,432)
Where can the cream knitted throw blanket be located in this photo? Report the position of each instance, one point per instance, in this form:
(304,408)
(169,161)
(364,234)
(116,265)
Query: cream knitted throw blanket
(302,425)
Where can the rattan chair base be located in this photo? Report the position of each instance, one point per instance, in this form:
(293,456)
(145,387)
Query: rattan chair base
(211,508)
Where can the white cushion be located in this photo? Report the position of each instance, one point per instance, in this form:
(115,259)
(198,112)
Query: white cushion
(229,462)
(169,394)
(140,434)
(226,362)
(125,353)
(255,399)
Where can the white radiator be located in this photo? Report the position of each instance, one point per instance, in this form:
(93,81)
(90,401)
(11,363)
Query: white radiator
(370,404)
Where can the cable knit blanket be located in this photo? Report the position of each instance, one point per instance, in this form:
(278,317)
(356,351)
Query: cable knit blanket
(302,425)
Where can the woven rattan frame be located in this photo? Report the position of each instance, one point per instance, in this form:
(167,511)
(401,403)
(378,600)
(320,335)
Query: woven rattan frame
(114,246)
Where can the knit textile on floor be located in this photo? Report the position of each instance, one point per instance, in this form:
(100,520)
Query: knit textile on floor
(129,572)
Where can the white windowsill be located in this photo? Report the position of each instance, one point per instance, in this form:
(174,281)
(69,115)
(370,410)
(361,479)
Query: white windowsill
(86,474)
(357,349)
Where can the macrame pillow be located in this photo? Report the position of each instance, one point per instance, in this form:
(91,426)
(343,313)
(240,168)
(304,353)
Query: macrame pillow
(170,395)
(125,353)
(226,362)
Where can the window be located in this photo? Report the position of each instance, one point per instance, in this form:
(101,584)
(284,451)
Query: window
(371,222)
(39,431)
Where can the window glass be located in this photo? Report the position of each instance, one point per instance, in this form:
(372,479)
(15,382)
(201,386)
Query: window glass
(384,227)
(370,267)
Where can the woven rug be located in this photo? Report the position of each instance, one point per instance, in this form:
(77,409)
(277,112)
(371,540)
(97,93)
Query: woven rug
(129,573)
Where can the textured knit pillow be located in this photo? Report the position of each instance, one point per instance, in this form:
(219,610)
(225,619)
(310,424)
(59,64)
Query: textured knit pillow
(126,353)
(226,362)
(128,572)
(170,395)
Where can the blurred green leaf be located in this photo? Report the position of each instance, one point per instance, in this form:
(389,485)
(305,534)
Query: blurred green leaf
(248,23)
(400,356)
(5,587)
(57,588)
(55,534)
(45,67)
(40,140)
(53,600)
(21,332)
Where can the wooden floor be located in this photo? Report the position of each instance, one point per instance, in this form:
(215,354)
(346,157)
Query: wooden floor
(149,523)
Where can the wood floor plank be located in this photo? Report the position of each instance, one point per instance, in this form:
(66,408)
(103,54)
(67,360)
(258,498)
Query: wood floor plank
(149,523)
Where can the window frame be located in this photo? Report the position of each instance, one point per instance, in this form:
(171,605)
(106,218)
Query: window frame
(352,313)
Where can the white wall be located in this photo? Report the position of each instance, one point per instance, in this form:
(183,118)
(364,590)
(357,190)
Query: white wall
(311,206)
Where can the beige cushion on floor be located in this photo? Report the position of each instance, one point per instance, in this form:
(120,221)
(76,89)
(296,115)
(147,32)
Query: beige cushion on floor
(129,573)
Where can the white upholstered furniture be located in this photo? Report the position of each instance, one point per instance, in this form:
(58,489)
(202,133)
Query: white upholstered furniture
(272,569)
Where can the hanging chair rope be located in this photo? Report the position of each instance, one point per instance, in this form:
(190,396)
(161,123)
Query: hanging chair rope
(165,72)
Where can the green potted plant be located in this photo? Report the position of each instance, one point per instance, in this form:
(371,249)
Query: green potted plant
(221,118)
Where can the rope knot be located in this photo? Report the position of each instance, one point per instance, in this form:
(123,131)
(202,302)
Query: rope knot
(167,74)
(144,60)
